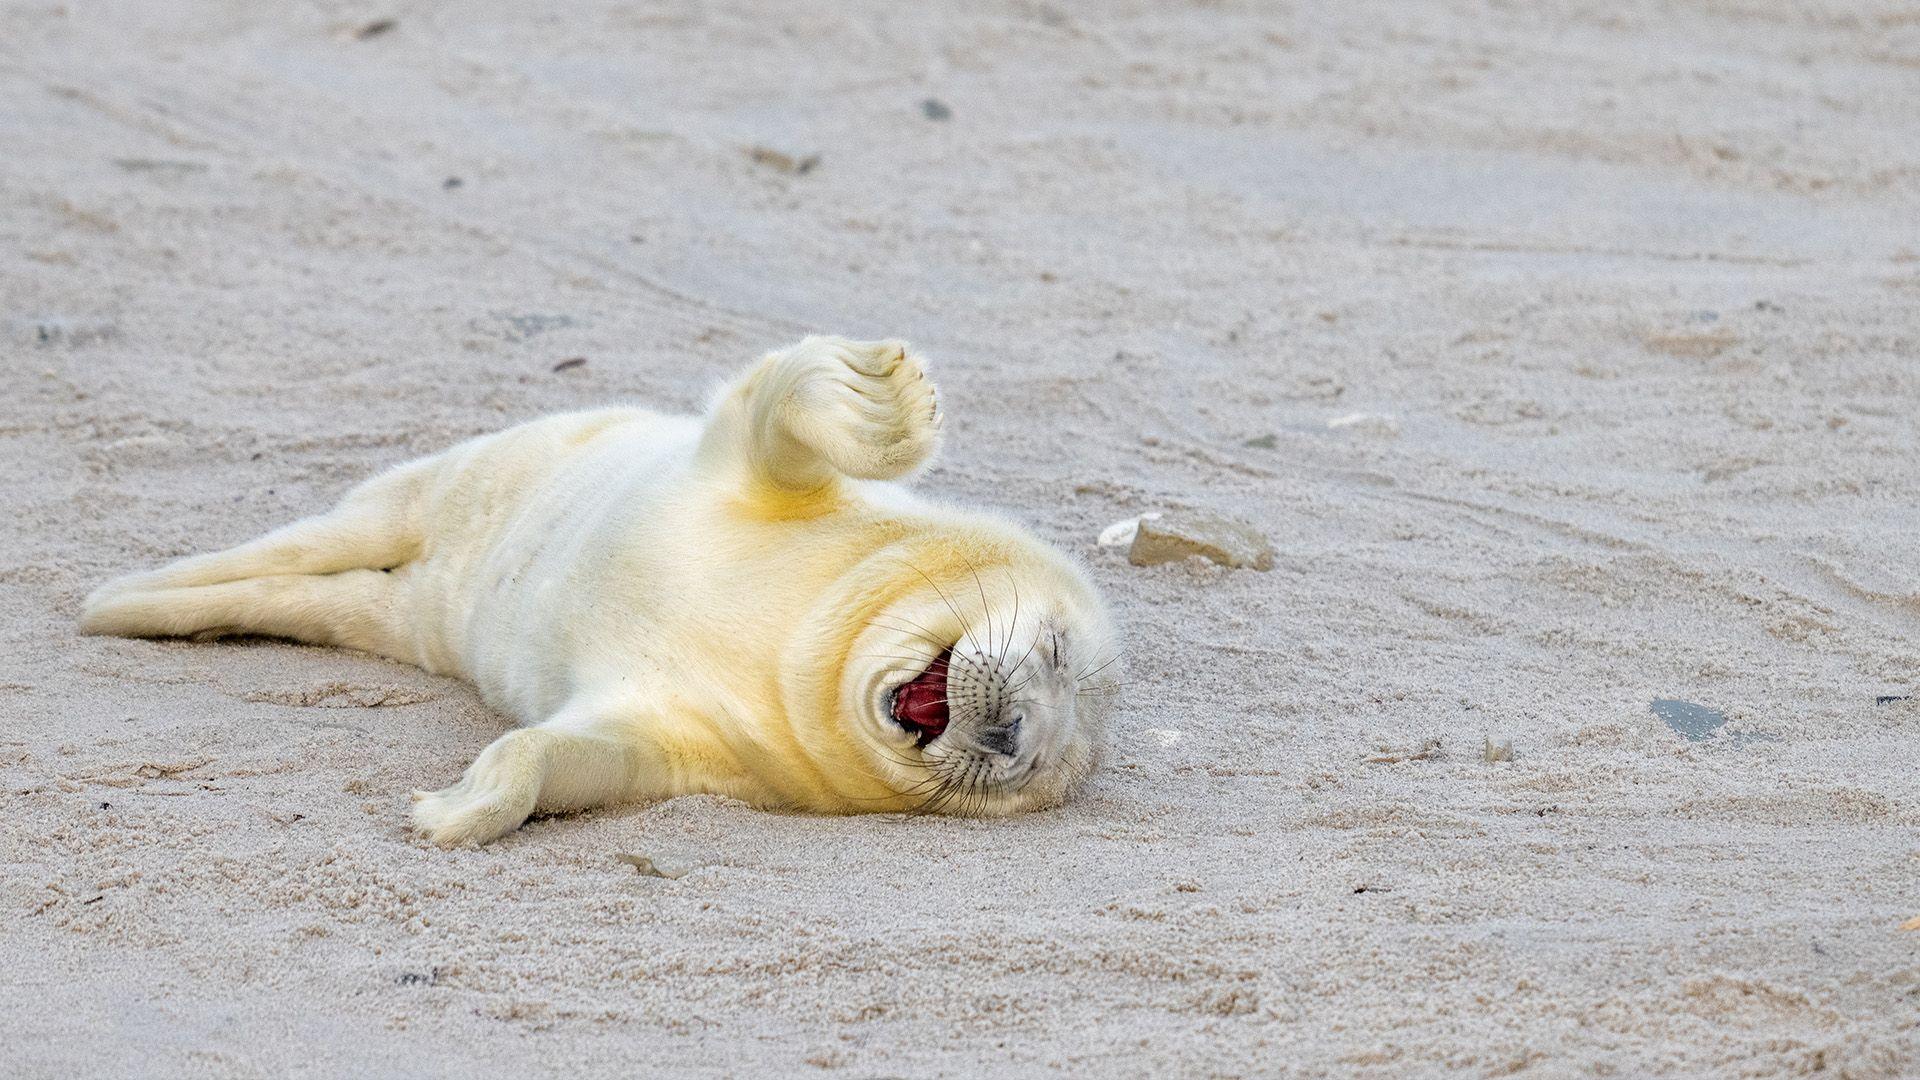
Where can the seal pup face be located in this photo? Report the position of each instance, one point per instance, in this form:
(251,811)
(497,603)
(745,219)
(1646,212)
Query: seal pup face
(990,703)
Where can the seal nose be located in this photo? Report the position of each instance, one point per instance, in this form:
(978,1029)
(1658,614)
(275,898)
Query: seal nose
(1004,740)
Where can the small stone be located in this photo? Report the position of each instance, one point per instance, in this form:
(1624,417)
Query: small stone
(58,332)
(1263,442)
(570,363)
(1428,750)
(1377,424)
(646,867)
(1177,534)
(1121,533)
(935,109)
(375,28)
(1491,751)
(786,163)
(1692,345)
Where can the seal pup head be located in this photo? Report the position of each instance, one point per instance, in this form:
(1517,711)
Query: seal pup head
(983,686)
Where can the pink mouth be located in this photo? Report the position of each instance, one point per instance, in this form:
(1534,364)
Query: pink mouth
(920,706)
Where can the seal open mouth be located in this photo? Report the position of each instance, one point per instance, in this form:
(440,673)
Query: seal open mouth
(920,705)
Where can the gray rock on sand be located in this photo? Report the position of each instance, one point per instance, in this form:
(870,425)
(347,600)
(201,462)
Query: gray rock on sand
(1173,535)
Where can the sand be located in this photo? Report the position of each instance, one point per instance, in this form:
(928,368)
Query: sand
(1626,293)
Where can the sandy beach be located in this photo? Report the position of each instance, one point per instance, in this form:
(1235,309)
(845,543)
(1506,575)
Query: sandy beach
(1568,354)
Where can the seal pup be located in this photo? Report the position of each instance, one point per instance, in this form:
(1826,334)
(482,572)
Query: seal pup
(743,603)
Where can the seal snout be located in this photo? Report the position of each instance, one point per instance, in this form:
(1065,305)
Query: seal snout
(923,706)
(1003,739)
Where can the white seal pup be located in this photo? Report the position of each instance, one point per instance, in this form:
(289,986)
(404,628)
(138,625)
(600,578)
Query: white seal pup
(739,603)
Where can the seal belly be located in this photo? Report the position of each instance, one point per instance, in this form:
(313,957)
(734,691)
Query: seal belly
(508,516)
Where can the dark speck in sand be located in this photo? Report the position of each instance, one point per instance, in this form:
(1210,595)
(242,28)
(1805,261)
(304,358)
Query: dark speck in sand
(570,363)
(522,327)
(1888,699)
(1697,723)
(935,109)
(786,163)
(451,182)
(1689,721)
(375,28)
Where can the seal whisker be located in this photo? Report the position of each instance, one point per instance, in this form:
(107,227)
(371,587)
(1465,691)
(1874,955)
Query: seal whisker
(875,621)
(916,789)
(905,763)
(1034,701)
(908,671)
(1085,675)
(986,612)
(954,791)
(956,611)
(924,633)
(921,660)
(1015,623)
(1030,647)
(938,799)
(983,788)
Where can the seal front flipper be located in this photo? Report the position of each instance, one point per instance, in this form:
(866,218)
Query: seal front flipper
(825,408)
(592,752)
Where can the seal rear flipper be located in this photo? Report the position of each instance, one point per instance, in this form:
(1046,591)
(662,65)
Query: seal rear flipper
(376,526)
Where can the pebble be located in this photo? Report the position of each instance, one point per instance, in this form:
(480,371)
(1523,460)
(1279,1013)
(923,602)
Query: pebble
(1176,534)
(646,867)
(1121,533)
(1366,423)
(786,163)
(57,332)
